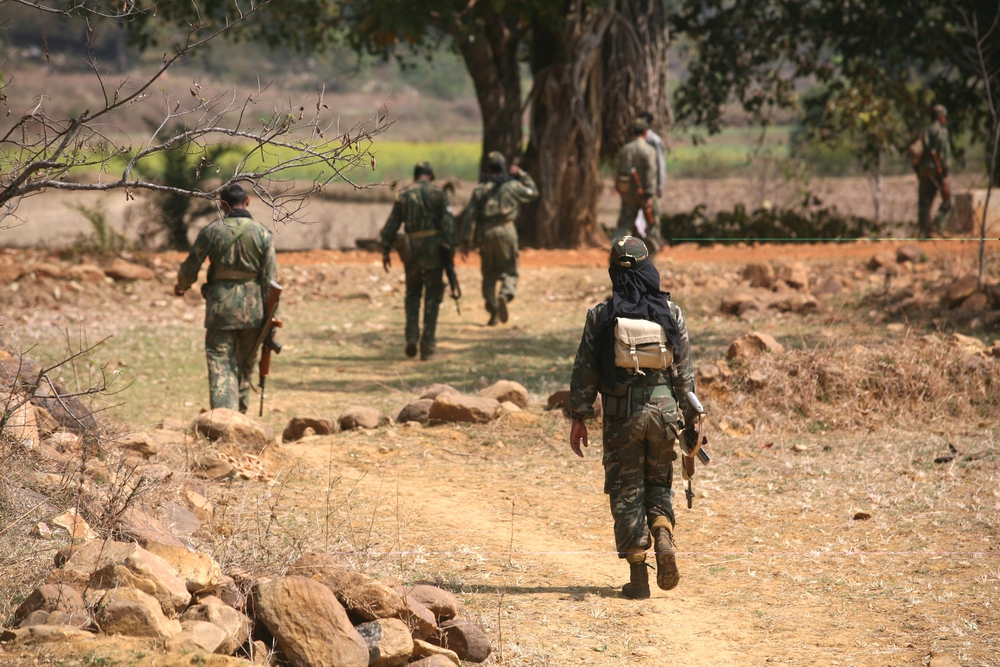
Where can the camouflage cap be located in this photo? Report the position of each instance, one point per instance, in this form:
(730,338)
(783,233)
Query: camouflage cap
(628,252)
(496,161)
(421,168)
(939,110)
(640,125)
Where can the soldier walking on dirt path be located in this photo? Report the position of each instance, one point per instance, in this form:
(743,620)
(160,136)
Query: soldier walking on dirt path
(644,397)
(636,182)
(932,173)
(488,224)
(656,141)
(242,265)
(422,208)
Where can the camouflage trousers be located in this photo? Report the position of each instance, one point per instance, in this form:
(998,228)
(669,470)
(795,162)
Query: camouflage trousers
(926,192)
(429,283)
(638,473)
(499,254)
(626,223)
(230,357)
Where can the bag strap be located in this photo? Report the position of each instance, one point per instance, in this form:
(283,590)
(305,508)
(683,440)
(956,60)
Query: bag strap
(238,233)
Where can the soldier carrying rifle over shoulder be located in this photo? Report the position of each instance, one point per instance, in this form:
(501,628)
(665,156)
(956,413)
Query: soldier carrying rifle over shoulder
(241,270)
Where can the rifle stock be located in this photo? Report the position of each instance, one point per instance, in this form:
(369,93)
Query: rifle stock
(645,203)
(265,339)
(448,257)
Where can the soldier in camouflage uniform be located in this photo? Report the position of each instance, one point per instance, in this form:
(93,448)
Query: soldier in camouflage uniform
(638,155)
(422,208)
(242,264)
(642,415)
(932,173)
(488,224)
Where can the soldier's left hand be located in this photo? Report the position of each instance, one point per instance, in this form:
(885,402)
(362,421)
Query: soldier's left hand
(578,436)
(386,262)
(178,291)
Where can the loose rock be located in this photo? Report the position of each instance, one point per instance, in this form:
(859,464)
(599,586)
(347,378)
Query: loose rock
(465,639)
(796,275)
(213,467)
(434,661)
(85,273)
(40,617)
(506,390)
(977,301)
(829,287)
(753,344)
(140,443)
(881,260)
(757,380)
(960,290)
(373,601)
(418,411)
(708,374)
(199,571)
(360,417)
(130,612)
(909,253)
(443,604)
(296,428)
(197,636)
(74,524)
(22,425)
(235,626)
(422,649)
(759,275)
(559,399)
(389,642)
(436,390)
(49,598)
(460,408)
(309,624)
(122,270)
(230,426)
(419,618)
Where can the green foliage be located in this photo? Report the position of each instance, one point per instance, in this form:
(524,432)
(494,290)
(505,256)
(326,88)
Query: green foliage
(103,241)
(767,225)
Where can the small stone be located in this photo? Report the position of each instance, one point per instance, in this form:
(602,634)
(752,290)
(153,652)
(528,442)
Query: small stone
(559,399)
(46,270)
(213,467)
(751,345)
(122,270)
(977,301)
(41,531)
(198,571)
(909,253)
(140,443)
(465,639)
(46,423)
(389,642)
(417,411)
(74,524)
(86,273)
(757,380)
(759,275)
(424,650)
(197,636)
(796,275)
(506,390)
(436,390)
(461,408)
(235,626)
(829,287)
(967,343)
(296,428)
(443,604)
(881,260)
(960,290)
(360,417)
(373,600)
(232,427)
(798,447)
(441,660)
(509,408)
(708,374)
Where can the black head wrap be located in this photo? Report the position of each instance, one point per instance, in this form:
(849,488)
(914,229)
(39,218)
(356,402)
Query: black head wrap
(636,295)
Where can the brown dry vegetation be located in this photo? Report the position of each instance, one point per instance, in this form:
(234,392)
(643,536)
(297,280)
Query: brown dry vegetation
(774,566)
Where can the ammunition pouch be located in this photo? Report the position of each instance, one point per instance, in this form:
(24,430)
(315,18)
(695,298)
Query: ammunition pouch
(633,399)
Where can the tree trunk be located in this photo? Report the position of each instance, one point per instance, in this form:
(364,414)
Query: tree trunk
(635,72)
(490,50)
(875,183)
(565,145)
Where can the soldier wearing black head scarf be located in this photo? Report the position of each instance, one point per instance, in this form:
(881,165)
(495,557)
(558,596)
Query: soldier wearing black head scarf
(644,395)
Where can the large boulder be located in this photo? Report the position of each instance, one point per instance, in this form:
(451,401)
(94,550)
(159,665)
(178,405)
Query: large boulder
(759,275)
(389,642)
(50,598)
(443,604)
(373,600)
(753,344)
(437,389)
(461,408)
(130,612)
(465,639)
(360,417)
(122,270)
(309,624)
(199,571)
(296,428)
(234,625)
(232,427)
(506,390)
(197,636)
(417,411)
(118,564)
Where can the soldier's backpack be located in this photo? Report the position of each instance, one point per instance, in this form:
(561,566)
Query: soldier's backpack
(641,344)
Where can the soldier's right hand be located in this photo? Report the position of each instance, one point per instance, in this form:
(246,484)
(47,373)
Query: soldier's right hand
(386,262)
(178,291)
(464,252)
(578,436)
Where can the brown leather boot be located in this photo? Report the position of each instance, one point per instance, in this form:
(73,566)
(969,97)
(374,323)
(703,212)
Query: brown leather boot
(667,576)
(638,586)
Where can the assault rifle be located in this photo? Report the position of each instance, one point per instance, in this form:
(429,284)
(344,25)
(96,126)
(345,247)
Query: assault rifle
(693,443)
(646,203)
(943,180)
(448,257)
(265,339)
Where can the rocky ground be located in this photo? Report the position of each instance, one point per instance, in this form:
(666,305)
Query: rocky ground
(848,517)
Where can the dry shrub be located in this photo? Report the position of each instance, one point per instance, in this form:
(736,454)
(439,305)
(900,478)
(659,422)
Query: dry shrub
(862,387)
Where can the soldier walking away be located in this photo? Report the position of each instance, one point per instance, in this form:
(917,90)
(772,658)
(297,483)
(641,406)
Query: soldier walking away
(644,392)
(932,173)
(488,224)
(422,208)
(636,182)
(656,141)
(242,265)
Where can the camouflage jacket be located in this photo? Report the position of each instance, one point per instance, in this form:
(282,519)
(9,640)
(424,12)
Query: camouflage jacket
(936,141)
(232,304)
(420,207)
(495,204)
(656,141)
(639,155)
(586,379)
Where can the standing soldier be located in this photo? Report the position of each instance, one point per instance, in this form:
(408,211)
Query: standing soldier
(932,172)
(422,208)
(644,396)
(242,265)
(656,141)
(636,183)
(488,224)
